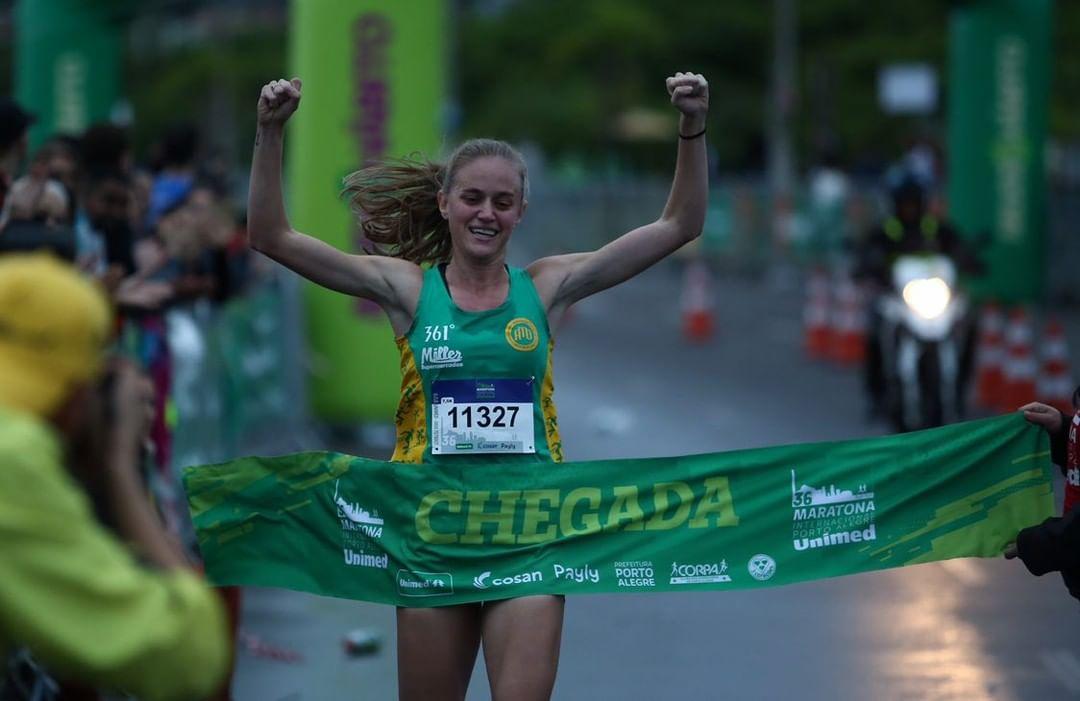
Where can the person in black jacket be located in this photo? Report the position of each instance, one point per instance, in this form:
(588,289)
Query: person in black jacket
(1054,545)
(911,229)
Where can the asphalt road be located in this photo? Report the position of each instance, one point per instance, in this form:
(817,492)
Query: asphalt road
(628,385)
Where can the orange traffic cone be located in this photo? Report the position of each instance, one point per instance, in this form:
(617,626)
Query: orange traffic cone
(1055,379)
(848,324)
(696,303)
(816,315)
(1019,368)
(989,356)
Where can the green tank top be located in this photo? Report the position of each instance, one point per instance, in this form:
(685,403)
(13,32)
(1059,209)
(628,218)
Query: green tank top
(473,382)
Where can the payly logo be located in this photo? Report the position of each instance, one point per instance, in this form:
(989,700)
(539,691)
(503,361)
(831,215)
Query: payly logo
(576,574)
(521,334)
(484,580)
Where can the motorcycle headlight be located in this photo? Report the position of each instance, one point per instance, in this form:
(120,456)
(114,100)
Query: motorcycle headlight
(928,298)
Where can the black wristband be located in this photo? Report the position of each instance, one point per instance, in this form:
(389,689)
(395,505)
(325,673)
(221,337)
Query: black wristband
(692,136)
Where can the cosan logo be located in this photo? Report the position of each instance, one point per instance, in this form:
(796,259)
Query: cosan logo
(440,357)
(576,574)
(484,579)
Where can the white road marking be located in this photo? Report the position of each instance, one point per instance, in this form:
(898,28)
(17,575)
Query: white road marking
(966,570)
(1064,666)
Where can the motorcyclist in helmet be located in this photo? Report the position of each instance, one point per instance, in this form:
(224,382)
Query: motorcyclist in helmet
(911,228)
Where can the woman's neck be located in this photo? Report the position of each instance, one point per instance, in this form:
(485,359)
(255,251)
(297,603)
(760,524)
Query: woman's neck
(477,286)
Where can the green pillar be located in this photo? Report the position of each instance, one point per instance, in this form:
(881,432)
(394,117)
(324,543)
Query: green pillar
(67,63)
(999,76)
(375,76)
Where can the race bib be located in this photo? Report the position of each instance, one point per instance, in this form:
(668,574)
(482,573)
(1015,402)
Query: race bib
(482,416)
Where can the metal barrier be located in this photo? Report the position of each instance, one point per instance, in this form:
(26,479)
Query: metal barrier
(237,374)
(741,232)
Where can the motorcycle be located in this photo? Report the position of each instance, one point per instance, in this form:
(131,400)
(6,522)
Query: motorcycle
(925,337)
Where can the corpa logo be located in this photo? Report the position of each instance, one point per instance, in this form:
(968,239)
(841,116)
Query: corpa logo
(521,334)
(480,581)
(701,573)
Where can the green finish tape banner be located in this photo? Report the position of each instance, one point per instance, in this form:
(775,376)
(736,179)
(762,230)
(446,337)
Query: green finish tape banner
(374,77)
(427,535)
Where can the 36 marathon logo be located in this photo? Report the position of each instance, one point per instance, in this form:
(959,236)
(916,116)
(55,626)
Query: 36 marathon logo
(361,530)
(827,516)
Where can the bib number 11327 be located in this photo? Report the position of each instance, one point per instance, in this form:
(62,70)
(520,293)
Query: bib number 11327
(482,416)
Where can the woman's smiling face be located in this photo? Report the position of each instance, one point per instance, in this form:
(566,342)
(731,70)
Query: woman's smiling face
(483,205)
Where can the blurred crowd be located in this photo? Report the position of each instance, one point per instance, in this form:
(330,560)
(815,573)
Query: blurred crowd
(150,237)
(155,235)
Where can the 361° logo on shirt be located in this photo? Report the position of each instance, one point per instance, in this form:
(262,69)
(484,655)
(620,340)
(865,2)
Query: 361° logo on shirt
(521,334)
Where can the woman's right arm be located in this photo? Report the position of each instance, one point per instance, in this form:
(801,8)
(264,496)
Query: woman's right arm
(392,283)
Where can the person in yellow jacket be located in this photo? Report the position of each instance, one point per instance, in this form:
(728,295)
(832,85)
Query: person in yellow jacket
(128,615)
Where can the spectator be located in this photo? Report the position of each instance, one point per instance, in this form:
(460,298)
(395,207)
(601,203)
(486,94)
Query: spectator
(103,224)
(176,177)
(35,217)
(106,147)
(14,123)
(71,593)
(195,233)
(1054,545)
(58,159)
(37,199)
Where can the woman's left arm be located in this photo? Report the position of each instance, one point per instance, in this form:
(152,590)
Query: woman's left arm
(563,280)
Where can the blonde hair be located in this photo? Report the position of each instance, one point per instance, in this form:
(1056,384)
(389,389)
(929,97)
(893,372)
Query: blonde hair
(396,200)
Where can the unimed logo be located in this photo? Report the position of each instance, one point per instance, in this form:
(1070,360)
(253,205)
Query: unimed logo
(412,583)
(356,559)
